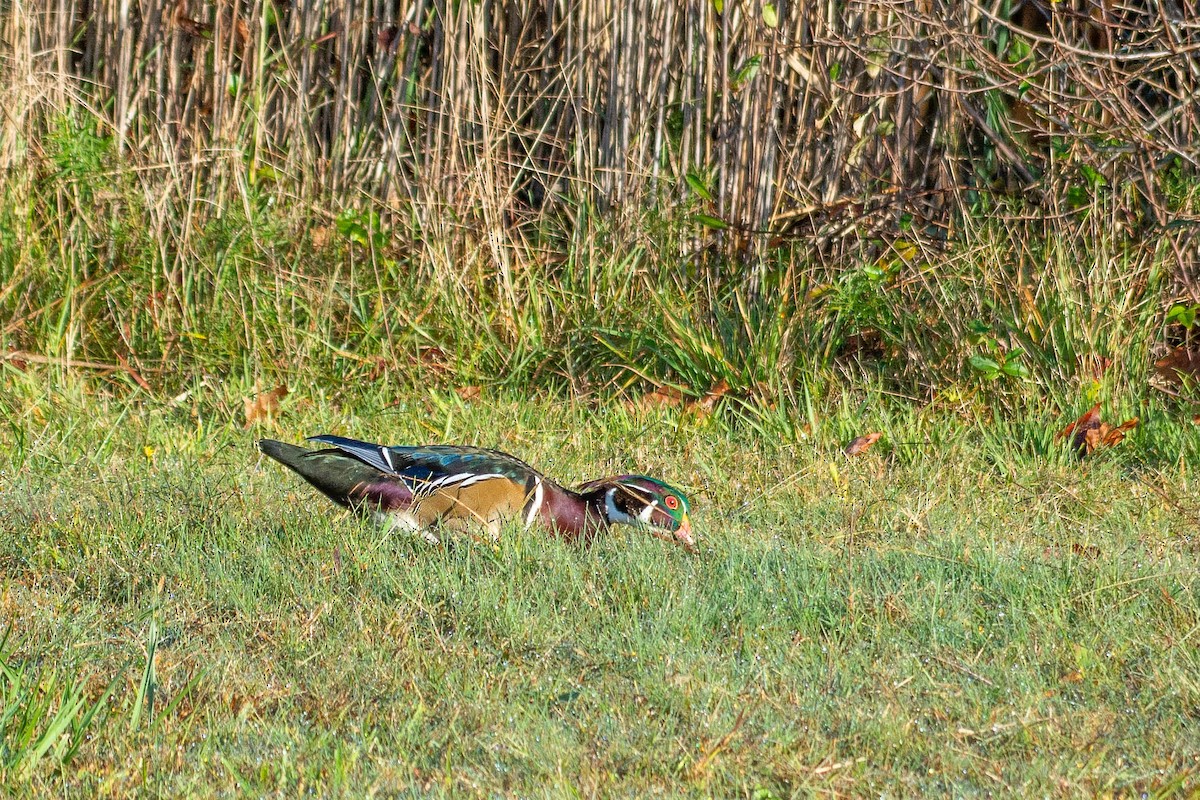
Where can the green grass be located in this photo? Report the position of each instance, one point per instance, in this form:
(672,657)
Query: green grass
(264,284)
(965,610)
(962,611)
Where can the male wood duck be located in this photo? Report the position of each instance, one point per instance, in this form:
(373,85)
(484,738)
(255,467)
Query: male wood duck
(419,487)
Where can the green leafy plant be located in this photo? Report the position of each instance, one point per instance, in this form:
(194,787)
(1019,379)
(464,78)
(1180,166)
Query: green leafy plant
(362,228)
(1183,315)
(995,361)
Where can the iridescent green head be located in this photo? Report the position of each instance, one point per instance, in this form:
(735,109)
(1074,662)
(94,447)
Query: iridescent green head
(646,502)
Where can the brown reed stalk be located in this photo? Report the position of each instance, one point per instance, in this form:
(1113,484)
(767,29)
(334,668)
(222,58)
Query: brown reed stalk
(843,122)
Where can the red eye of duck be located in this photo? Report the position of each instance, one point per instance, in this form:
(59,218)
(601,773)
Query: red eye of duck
(672,502)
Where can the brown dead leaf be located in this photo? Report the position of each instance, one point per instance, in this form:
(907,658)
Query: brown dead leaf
(862,444)
(1078,430)
(1085,550)
(263,406)
(320,236)
(706,404)
(663,397)
(1115,435)
(1178,365)
(1089,432)
(434,358)
(1074,676)
(1196,420)
(469,393)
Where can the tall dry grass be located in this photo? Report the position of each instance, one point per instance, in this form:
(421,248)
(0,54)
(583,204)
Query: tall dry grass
(824,120)
(890,173)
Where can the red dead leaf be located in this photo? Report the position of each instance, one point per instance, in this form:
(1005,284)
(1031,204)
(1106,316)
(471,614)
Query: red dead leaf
(320,236)
(1118,433)
(706,404)
(664,397)
(1080,427)
(263,406)
(862,444)
(1089,433)
(1178,365)
(469,393)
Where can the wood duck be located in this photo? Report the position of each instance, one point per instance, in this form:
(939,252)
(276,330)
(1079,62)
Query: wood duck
(417,488)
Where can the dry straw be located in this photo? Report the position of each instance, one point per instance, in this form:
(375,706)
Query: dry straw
(836,122)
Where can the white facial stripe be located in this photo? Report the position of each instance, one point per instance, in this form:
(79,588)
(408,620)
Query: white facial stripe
(647,512)
(539,494)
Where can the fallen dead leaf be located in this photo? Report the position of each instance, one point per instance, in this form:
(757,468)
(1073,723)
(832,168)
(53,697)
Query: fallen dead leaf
(663,396)
(320,236)
(469,393)
(263,406)
(434,358)
(1112,436)
(1089,432)
(709,402)
(1178,365)
(862,444)
(1079,428)
(1085,550)
(1074,676)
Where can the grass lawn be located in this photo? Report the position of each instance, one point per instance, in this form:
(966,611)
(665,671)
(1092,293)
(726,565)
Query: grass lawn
(964,610)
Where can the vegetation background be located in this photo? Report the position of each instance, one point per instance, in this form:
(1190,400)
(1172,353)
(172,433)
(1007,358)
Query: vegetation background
(743,233)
